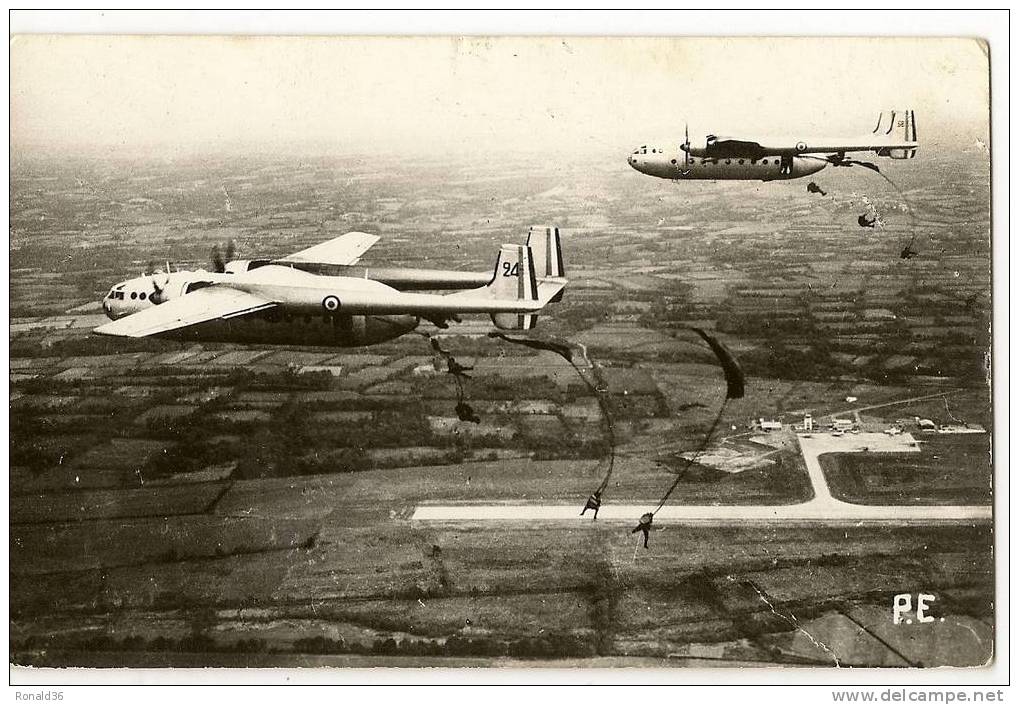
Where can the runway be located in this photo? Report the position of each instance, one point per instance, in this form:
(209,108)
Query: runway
(811,512)
(822,508)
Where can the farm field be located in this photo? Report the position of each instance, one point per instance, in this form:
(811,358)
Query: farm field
(948,470)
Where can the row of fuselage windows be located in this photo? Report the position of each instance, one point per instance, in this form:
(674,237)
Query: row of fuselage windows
(342,321)
(693,162)
(119,295)
(655,150)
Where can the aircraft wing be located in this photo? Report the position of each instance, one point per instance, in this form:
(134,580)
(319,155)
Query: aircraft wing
(757,149)
(732,145)
(894,136)
(199,306)
(342,250)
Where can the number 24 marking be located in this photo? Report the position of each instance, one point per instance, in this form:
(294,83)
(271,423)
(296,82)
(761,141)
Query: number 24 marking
(509,270)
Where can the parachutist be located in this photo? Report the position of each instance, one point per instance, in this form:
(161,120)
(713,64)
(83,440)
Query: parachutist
(645,526)
(814,188)
(456,369)
(593,502)
(866,221)
(465,412)
(452,366)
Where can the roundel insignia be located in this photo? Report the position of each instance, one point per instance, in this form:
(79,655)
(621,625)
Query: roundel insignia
(801,146)
(330,303)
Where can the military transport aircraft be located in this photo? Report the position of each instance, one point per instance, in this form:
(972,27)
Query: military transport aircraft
(770,159)
(275,301)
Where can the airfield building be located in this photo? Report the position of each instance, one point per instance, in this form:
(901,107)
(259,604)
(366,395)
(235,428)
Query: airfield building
(960,428)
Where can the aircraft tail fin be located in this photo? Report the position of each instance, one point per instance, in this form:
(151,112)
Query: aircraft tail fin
(898,127)
(514,278)
(546,247)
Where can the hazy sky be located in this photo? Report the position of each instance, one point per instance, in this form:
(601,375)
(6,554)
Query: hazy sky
(473,95)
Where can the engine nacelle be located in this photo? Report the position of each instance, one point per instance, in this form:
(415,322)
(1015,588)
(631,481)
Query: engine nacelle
(896,153)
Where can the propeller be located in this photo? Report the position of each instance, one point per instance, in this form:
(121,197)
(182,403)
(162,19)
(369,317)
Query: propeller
(159,286)
(218,260)
(158,279)
(686,144)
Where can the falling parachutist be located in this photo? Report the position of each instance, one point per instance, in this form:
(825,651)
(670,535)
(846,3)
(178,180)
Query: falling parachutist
(593,502)
(644,526)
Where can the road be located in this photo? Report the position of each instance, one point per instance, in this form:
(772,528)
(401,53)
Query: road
(822,508)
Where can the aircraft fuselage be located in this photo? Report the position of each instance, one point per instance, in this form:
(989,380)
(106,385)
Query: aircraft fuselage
(303,321)
(677,165)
